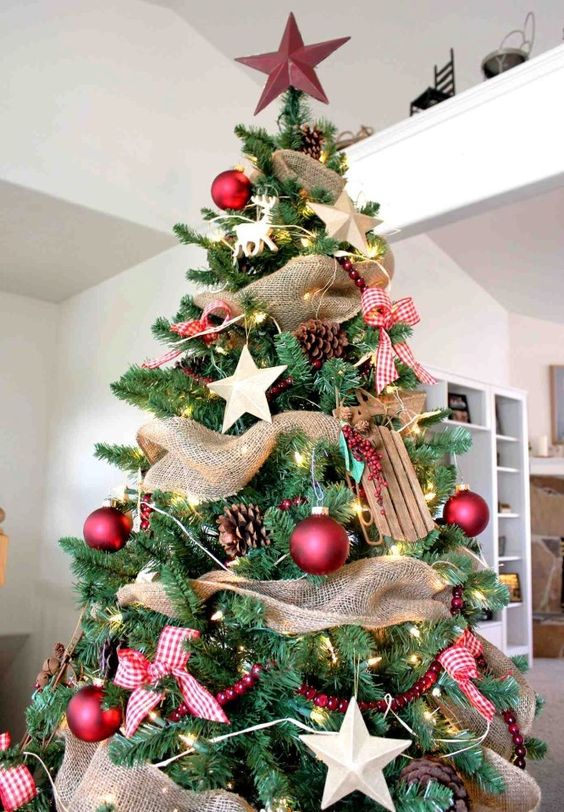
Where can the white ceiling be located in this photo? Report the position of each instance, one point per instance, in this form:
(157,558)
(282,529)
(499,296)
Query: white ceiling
(51,249)
(515,252)
(394,45)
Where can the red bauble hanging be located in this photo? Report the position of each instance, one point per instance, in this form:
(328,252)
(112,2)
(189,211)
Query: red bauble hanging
(319,545)
(231,190)
(468,510)
(107,529)
(86,718)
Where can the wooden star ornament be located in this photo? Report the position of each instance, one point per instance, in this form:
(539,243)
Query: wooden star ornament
(355,759)
(344,223)
(292,65)
(245,390)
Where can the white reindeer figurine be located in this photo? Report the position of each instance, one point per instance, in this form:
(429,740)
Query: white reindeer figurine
(253,236)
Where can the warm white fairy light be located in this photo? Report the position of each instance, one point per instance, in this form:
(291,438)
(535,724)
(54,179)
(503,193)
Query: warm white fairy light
(116,619)
(436,691)
(217,616)
(188,739)
(299,458)
(395,550)
(414,659)
(193,501)
(319,716)
(258,318)
(414,631)
(373,661)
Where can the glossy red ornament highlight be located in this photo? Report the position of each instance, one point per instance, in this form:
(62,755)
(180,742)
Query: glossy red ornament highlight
(87,719)
(107,529)
(468,510)
(319,545)
(231,189)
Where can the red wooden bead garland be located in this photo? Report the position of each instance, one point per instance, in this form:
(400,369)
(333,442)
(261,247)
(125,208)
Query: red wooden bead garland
(286,504)
(519,749)
(279,387)
(457,601)
(346,265)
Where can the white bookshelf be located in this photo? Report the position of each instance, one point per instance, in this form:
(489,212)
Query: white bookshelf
(497,467)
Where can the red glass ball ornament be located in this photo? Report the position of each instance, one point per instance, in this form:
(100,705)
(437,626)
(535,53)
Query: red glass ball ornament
(86,718)
(319,545)
(231,190)
(107,529)
(468,510)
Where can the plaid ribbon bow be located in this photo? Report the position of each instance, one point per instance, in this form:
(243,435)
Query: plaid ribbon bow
(138,674)
(459,663)
(17,786)
(190,329)
(378,310)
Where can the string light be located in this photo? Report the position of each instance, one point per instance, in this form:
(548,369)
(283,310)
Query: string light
(319,716)
(430,495)
(436,691)
(395,550)
(299,458)
(357,507)
(217,616)
(414,659)
(332,653)
(478,595)
(414,631)
(429,717)
(188,739)
(259,318)
(373,661)
(193,501)
(306,242)
(116,619)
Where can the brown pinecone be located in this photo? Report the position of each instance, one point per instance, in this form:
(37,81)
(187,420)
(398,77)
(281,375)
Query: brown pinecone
(312,141)
(322,340)
(423,770)
(241,528)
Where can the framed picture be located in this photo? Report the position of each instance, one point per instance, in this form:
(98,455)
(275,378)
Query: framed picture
(458,404)
(557,403)
(512,582)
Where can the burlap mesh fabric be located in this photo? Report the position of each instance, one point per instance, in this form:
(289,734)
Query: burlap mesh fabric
(522,793)
(311,287)
(498,738)
(189,458)
(88,778)
(310,173)
(373,592)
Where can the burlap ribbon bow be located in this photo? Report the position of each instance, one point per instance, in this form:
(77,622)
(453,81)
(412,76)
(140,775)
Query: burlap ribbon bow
(459,662)
(17,786)
(137,673)
(379,311)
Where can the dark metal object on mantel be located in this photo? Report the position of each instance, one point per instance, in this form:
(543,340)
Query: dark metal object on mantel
(506,58)
(443,89)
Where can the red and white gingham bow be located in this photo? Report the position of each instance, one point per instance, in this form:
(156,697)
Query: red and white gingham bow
(17,786)
(378,310)
(459,663)
(190,329)
(137,673)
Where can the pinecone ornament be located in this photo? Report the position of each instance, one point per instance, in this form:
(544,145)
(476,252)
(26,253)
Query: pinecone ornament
(322,340)
(423,770)
(241,528)
(312,141)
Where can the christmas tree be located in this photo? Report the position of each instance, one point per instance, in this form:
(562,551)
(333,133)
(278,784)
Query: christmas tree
(273,618)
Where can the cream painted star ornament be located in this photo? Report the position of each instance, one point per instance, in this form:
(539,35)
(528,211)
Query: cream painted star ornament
(245,390)
(344,223)
(355,759)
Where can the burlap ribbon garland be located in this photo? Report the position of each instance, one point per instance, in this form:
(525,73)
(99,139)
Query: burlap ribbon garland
(498,738)
(189,458)
(310,173)
(87,776)
(372,592)
(522,793)
(308,287)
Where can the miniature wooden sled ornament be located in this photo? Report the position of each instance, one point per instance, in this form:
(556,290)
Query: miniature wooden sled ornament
(3,549)
(403,514)
(403,405)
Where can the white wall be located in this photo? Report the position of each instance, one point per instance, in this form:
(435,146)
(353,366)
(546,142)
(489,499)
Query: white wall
(27,363)
(535,344)
(462,327)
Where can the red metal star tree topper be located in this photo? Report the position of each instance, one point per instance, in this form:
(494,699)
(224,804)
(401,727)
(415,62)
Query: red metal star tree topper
(292,65)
